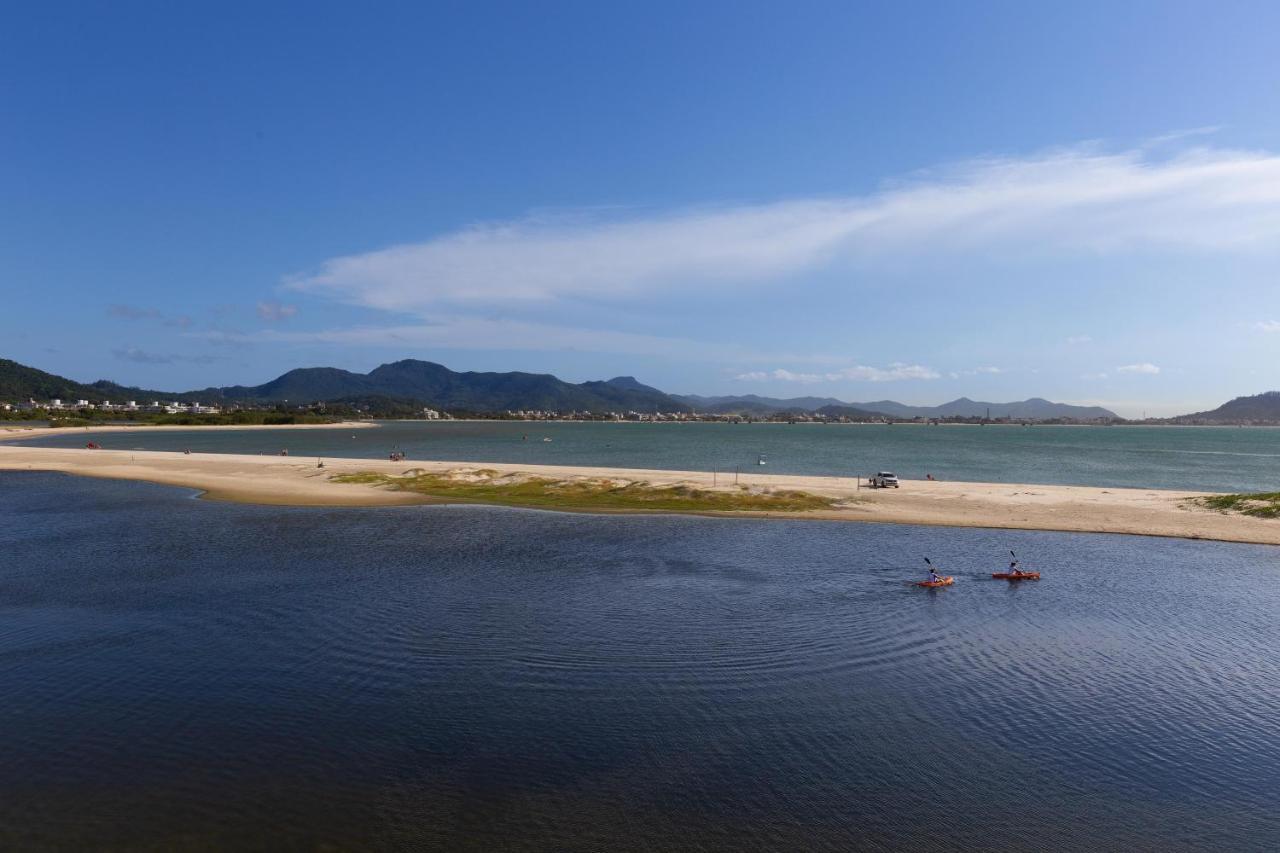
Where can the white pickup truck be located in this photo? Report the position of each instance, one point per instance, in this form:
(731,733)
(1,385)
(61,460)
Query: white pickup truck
(884,480)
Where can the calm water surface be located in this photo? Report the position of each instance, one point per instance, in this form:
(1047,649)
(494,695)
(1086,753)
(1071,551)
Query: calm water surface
(183,673)
(1194,458)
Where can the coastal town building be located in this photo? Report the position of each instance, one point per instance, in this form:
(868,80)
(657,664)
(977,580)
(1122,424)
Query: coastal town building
(57,404)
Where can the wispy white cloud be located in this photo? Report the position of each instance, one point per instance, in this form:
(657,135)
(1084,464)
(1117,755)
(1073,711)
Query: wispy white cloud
(1179,135)
(139,356)
(274,312)
(856,373)
(134,312)
(1076,199)
(1076,340)
(1145,367)
(977,371)
(463,332)
(479,333)
(1267,325)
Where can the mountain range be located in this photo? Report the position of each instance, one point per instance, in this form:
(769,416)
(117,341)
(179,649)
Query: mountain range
(428,383)
(1034,408)
(421,381)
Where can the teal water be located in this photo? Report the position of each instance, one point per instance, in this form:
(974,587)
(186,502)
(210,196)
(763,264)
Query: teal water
(1193,458)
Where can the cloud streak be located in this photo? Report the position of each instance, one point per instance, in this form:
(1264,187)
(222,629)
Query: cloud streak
(138,356)
(1070,200)
(274,312)
(479,333)
(1146,368)
(133,312)
(857,373)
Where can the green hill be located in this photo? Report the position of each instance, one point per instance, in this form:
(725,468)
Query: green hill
(1259,408)
(407,381)
(19,382)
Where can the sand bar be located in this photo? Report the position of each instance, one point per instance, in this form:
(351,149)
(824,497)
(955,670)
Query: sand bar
(298,481)
(16,433)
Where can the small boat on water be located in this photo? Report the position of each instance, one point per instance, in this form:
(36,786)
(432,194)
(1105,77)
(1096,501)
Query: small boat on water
(1014,573)
(947,581)
(761,459)
(933,573)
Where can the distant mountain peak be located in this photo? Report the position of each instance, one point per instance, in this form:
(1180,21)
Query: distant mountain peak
(627,382)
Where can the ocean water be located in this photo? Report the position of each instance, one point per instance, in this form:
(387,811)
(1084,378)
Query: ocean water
(197,675)
(1193,458)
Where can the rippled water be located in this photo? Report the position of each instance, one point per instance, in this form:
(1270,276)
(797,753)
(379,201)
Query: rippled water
(1194,458)
(181,673)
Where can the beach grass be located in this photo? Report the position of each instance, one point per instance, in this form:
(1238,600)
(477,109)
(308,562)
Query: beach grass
(1257,505)
(488,486)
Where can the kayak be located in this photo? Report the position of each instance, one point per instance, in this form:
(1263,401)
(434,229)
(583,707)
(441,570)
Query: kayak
(947,581)
(1021,576)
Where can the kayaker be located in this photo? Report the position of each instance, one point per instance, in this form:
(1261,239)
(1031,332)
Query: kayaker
(934,577)
(1013,568)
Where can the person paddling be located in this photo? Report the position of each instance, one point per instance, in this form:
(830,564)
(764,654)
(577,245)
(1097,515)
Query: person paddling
(934,577)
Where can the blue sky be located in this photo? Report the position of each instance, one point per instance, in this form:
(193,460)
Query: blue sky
(913,201)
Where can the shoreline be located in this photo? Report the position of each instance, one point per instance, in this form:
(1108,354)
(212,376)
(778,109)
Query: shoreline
(20,433)
(297,481)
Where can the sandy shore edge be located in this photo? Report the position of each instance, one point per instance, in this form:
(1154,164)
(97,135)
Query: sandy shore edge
(18,433)
(299,482)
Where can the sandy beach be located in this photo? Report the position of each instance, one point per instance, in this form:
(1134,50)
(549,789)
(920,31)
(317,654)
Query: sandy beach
(298,481)
(17,433)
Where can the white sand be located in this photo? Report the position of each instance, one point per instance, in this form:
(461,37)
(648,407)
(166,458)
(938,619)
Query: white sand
(13,433)
(297,481)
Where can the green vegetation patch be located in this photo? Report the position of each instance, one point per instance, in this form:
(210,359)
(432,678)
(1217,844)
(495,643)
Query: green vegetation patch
(487,486)
(1259,505)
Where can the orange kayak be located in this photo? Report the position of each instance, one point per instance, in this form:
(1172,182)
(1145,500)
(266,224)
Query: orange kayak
(947,581)
(1019,576)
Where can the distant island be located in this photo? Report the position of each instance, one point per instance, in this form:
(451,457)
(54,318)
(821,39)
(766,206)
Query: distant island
(421,389)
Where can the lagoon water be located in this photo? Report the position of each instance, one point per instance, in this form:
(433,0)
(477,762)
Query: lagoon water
(190,674)
(1192,458)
